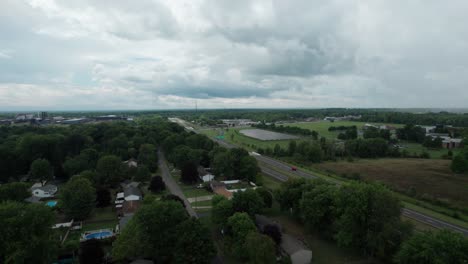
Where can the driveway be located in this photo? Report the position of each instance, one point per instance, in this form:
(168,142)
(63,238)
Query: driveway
(172,185)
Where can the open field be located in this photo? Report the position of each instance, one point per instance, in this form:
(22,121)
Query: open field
(423,177)
(322,126)
(413,148)
(265,135)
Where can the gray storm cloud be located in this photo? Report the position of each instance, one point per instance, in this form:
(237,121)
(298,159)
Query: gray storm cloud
(166,54)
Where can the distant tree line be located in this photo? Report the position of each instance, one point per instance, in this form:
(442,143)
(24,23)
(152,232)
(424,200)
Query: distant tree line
(288,129)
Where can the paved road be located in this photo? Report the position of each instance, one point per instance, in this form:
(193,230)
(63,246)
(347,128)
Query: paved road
(281,166)
(172,185)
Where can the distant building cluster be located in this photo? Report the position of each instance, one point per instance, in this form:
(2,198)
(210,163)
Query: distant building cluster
(44,118)
(342,118)
(238,122)
(448,139)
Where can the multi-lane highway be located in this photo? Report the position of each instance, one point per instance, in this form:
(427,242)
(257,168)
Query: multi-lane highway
(281,171)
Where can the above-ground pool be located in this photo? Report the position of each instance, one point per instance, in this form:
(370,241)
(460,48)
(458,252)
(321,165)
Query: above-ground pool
(98,235)
(51,203)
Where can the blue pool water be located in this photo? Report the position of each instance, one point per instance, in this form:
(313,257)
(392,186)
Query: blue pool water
(99,235)
(51,203)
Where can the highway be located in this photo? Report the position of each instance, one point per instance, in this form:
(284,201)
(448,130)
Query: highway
(282,170)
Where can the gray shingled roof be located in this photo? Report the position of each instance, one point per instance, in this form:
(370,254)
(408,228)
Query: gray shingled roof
(132,191)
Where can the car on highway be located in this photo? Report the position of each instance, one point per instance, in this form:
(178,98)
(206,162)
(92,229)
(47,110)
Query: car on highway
(293,168)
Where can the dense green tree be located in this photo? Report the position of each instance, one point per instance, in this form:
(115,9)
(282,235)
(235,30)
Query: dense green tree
(86,160)
(260,248)
(103,197)
(15,191)
(274,232)
(157,184)
(143,174)
(266,195)
(91,252)
(76,142)
(318,207)
(221,210)
(194,244)
(239,226)
(369,217)
(290,193)
(248,169)
(77,198)
(148,156)
(110,170)
(118,146)
(26,236)
(459,164)
(41,170)
(189,173)
(434,248)
(248,201)
(151,232)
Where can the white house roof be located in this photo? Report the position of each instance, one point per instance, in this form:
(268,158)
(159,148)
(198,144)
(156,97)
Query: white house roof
(120,195)
(46,188)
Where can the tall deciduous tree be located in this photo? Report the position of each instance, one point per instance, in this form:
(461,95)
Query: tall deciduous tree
(156,185)
(26,236)
(15,191)
(248,201)
(91,252)
(434,247)
(260,248)
(41,170)
(189,173)
(147,156)
(194,244)
(77,198)
(110,170)
(239,226)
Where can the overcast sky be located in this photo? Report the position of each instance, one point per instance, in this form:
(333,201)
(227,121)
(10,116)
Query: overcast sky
(148,54)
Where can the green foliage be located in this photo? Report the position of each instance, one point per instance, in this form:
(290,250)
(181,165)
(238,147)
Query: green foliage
(194,244)
(460,163)
(91,252)
(412,133)
(110,170)
(368,215)
(15,191)
(239,226)
(318,208)
(26,236)
(290,193)
(248,201)
(143,174)
(157,185)
(260,248)
(77,198)
(189,173)
(41,170)
(86,160)
(152,232)
(147,156)
(266,196)
(434,248)
(222,210)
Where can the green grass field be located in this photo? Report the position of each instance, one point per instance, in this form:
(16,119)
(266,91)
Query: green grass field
(322,126)
(415,148)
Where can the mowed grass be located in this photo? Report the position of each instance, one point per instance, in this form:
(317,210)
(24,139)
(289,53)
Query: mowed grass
(425,177)
(321,127)
(415,148)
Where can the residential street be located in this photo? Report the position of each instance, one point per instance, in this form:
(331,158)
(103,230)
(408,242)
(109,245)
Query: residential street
(172,185)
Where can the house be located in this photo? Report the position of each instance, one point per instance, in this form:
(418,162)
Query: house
(220,188)
(131,163)
(204,174)
(296,250)
(45,191)
(132,193)
(207,177)
(451,143)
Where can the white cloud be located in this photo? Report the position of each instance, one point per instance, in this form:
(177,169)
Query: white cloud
(167,54)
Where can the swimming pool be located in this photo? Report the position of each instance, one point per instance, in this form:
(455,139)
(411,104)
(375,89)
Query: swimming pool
(51,203)
(98,235)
